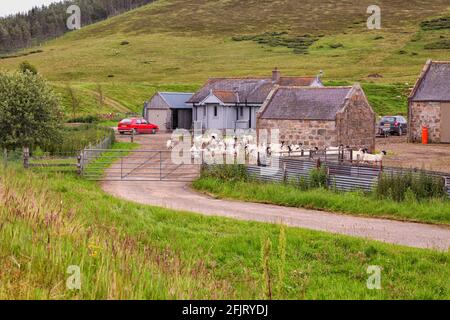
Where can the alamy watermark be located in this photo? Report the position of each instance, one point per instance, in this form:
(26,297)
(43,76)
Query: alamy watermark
(374,279)
(74,21)
(374,21)
(74,280)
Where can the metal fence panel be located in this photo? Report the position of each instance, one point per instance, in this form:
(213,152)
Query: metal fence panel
(341,176)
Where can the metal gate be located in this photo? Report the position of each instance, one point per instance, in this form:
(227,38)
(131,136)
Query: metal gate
(136,165)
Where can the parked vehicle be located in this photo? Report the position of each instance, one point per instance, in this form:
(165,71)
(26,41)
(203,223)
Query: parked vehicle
(136,126)
(393,125)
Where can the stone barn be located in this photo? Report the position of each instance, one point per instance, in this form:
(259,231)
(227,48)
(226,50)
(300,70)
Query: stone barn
(169,110)
(320,117)
(429,104)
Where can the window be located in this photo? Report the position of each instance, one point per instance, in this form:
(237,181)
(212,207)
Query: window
(204,112)
(144,121)
(241,110)
(215,111)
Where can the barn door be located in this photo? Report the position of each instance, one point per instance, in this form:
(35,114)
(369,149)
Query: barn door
(445,123)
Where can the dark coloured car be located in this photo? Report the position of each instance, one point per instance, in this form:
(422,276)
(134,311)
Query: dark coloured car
(394,125)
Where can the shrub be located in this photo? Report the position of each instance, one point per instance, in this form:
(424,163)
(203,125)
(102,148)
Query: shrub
(438,45)
(84,119)
(318,178)
(336,45)
(75,139)
(26,66)
(436,24)
(232,173)
(405,187)
(299,44)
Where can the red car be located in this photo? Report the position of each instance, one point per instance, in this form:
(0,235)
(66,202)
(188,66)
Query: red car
(136,125)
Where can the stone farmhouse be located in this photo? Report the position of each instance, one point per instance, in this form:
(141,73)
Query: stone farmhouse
(232,103)
(302,109)
(429,103)
(319,117)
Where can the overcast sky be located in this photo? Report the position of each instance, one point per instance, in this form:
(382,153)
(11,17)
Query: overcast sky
(14,6)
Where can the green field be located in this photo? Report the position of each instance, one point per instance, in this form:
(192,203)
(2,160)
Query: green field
(177,45)
(124,250)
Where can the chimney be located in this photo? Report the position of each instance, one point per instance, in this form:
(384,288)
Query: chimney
(276,75)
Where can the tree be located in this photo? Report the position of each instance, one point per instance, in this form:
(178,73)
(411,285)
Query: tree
(74,101)
(29,111)
(26,66)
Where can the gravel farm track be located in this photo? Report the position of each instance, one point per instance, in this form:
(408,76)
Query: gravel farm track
(179,196)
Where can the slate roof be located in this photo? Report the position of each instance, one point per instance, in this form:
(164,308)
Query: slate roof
(250,90)
(226,96)
(177,100)
(434,84)
(303,103)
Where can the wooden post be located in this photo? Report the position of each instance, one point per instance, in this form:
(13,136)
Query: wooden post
(132,136)
(284,172)
(79,164)
(26,157)
(318,163)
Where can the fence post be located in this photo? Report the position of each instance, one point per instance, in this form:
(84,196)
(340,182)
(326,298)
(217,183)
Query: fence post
(26,157)
(132,136)
(80,163)
(284,172)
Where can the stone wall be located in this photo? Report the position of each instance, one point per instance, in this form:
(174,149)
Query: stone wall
(425,114)
(354,126)
(310,133)
(356,123)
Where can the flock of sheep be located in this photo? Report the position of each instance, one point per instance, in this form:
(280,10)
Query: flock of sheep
(212,146)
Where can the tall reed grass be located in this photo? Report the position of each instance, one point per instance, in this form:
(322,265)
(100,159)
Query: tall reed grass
(41,236)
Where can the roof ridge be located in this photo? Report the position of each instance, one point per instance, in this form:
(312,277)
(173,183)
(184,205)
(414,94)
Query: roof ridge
(308,77)
(169,92)
(240,78)
(318,88)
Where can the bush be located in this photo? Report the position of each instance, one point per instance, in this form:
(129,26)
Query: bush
(26,66)
(299,44)
(75,139)
(436,24)
(231,173)
(405,187)
(336,45)
(318,178)
(84,119)
(438,45)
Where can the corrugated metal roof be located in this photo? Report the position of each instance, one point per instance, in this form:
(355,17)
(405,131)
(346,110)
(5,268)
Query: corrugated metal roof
(177,100)
(435,83)
(302,103)
(252,90)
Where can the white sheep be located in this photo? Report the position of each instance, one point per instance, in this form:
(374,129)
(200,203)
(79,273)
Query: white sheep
(377,158)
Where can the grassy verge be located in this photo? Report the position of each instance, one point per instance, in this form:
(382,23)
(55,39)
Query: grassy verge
(128,251)
(429,211)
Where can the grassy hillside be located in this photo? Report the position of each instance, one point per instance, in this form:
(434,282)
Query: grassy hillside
(185,42)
